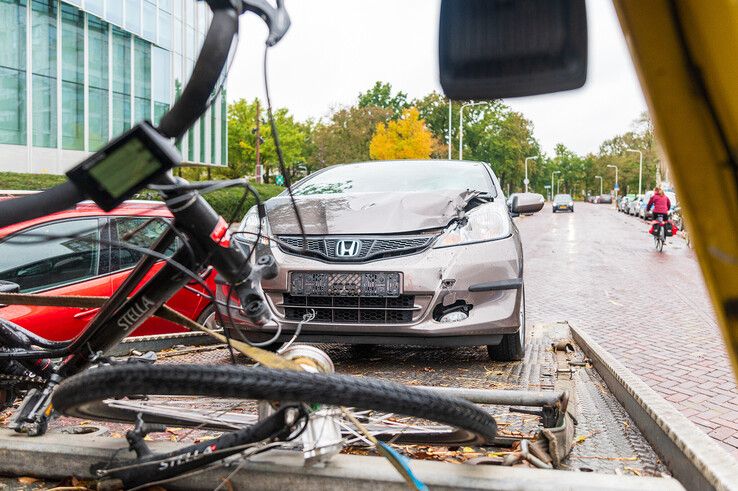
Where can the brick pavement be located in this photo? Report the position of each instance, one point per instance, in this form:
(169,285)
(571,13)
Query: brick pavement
(598,269)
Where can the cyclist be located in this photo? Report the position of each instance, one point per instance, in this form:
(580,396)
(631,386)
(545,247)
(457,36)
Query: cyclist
(660,203)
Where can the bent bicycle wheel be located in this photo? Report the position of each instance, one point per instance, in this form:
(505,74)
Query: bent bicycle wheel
(223,398)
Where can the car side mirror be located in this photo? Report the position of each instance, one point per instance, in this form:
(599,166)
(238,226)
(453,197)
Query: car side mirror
(9,287)
(527,203)
(490,49)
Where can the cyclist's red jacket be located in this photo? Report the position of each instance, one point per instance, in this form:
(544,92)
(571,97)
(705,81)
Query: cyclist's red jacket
(661,203)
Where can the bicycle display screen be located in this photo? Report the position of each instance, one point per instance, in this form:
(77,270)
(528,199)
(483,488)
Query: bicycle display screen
(132,162)
(125,166)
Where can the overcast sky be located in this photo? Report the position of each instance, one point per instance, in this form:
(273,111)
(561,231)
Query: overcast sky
(338,48)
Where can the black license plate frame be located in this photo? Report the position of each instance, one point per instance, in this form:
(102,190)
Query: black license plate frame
(346,284)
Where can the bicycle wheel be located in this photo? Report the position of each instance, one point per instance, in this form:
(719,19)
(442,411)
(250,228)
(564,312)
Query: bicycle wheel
(100,394)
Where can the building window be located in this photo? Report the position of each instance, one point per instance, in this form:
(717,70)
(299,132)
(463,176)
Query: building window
(96,7)
(202,138)
(213,145)
(13,71)
(97,59)
(133,15)
(165,30)
(149,20)
(190,12)
(43,83)
(73,96)
(191,144)
(162,81)
(121,73)
(165,5)
(114,11)
(177,40)
(223,129)
(142,83)
(190,42)
(177,94)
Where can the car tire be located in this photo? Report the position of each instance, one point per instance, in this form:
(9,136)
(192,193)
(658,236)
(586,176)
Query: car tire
(512,347)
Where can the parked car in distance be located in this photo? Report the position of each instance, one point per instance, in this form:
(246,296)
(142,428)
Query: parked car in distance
(635,205)
(410,252)
(59,255)
(642,212)
(604,199)
(624,201)
(562,202)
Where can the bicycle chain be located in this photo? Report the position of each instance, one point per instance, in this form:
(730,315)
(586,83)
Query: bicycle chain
(22,378)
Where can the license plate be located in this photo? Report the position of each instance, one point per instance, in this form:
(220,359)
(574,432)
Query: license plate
(345,284)
(563,207)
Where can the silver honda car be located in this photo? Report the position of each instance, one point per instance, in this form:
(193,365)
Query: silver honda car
(395,252)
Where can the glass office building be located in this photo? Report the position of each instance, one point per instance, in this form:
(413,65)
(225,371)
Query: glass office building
(76,73)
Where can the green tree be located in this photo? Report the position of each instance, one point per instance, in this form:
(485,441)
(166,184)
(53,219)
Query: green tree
(494,133)
(346,136)
(433,108)
(294,136)
(380,95)
(614,152)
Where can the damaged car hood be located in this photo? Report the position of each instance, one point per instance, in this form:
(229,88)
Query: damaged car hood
(367,213)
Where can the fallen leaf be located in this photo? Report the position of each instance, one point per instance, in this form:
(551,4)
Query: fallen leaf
(27,480)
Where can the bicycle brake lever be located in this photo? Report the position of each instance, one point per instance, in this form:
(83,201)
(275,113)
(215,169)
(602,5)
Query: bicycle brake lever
(276,18)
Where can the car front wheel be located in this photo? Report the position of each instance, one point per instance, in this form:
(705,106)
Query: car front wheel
(512,347)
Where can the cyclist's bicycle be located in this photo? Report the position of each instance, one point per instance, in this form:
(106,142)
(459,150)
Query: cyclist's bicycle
(78,378)
(659,233)
(661,229)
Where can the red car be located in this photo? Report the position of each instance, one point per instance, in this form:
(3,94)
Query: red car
(63,266)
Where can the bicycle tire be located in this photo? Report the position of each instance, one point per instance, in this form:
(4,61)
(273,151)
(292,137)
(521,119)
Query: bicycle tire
(83,395)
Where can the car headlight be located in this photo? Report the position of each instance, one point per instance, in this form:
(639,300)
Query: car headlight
(571,203)
(249,228)
(483,223)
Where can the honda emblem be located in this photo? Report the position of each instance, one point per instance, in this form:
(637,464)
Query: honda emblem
(348,248)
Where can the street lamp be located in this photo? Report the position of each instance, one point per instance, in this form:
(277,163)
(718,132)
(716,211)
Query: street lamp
(617,185)
(552,182)
(461,125)
(600,178)
(526,181)
(640,168)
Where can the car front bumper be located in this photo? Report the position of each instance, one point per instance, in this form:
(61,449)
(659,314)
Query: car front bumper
(487,276)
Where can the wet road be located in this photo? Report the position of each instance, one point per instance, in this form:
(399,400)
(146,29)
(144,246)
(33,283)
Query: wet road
(598,269)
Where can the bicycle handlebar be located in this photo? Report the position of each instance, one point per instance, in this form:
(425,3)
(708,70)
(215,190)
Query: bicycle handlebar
(58,198)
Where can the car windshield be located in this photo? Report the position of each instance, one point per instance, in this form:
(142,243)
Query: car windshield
(399,176)
(562,198)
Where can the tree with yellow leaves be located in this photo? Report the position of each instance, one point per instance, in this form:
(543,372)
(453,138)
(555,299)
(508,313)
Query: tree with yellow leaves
(405,138)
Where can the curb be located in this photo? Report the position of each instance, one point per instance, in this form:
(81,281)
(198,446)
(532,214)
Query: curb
(694,458)
(59,456)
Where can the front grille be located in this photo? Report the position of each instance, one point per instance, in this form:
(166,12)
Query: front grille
(351,310)
(369,248)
